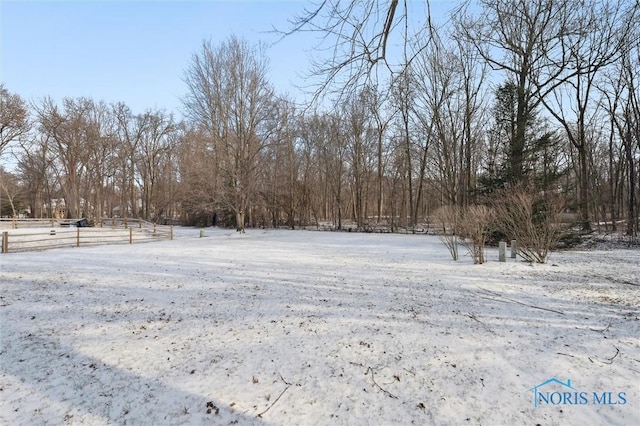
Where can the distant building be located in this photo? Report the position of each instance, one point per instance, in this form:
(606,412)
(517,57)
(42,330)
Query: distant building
(58,208)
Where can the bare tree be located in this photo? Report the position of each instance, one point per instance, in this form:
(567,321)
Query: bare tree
(101,148)
(415,132)
(320,179)
(472,76)
(438,107)
(310,191)
(12,190)
(230,97)
(359,37)
(35,169)
(14,117)
(153,157)
(79,145)
(624,109)
(333,152)
(199,176)
(376,102)
(67,129)
(293,196)
(601,36)
(281,192)
(359,133)
(404,99)
(129,132)
(524,39)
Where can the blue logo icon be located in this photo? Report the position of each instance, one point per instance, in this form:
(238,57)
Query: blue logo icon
(557,392)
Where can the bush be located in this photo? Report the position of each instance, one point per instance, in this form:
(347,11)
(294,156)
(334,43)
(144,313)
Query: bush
(532,219)
(447,222)
(474,227)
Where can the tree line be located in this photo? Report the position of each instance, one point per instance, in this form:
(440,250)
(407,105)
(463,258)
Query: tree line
(538,96)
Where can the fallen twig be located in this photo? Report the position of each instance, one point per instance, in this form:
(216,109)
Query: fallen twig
(369,369)
(518,302)
(616,281)
(609,361)
(613,357)
(285,382)
(603,330)
(276,400)
(473,317)
(412,371)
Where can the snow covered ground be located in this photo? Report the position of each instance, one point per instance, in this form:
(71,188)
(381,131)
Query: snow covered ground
(301,327)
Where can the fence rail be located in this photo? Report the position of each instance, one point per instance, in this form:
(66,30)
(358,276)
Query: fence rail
(15,223)
(15,241)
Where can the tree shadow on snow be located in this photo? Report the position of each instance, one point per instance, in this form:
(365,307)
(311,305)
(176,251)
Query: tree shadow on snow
(50,382)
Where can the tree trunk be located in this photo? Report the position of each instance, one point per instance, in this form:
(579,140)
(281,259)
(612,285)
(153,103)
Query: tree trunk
(380,175)
(240,221)
(583,185)
(631,208)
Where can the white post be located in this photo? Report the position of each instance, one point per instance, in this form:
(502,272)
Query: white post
(502,248)
(514,249)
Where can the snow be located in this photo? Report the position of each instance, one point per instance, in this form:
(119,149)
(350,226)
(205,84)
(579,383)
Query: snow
(300,327)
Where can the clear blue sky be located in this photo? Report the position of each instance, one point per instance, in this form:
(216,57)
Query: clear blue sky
(135,51)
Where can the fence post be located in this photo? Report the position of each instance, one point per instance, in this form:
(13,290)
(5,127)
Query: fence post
(5,242)
(502,248)
(171,233)
(514,249)
(155,229)
(130,235)
(78,237)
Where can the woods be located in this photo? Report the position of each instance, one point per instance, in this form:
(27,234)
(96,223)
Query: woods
(410,116)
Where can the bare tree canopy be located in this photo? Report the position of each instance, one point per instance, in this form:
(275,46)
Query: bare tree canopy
(14,117)
(360,38)
(230,97)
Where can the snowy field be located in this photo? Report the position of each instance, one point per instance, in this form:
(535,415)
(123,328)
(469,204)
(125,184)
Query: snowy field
(305,328)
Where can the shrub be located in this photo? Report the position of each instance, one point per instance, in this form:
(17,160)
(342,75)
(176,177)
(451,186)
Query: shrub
(474,227)
(447,222)
(532,219)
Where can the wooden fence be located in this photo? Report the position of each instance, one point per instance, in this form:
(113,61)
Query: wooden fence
(14,223)
(14,241)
